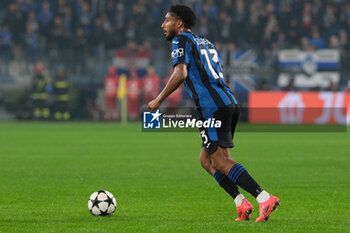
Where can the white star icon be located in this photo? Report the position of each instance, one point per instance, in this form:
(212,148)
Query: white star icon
(156,115)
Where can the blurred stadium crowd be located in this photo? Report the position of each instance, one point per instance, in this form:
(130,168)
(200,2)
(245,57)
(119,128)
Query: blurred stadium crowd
(246,23)
(84,25)
(82,35)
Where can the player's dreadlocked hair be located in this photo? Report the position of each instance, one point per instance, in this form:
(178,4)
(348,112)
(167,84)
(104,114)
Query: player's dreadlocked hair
(185,13)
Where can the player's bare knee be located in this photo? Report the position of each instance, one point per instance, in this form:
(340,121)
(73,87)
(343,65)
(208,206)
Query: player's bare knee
(204,159)
(205,163)
(218,164)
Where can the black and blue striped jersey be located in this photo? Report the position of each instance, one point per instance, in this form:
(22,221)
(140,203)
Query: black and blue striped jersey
(205,81)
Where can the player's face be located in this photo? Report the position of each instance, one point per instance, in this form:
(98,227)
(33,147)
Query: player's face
(169,26)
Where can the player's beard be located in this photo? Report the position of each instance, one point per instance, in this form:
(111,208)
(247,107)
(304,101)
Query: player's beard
(171,35)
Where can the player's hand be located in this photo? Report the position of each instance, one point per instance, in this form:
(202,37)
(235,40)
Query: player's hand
(153,105)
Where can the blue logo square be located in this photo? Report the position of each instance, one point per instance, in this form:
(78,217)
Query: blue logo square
(151,120)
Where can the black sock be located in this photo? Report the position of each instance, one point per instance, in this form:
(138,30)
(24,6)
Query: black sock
(227,184)
(239,175)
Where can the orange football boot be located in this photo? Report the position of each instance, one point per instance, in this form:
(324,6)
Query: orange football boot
(244,210)
(267,207)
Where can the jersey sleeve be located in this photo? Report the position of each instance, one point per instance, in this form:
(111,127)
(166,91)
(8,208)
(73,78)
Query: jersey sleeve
(180,51)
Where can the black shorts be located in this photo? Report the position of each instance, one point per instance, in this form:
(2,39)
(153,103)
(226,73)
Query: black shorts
(223,136)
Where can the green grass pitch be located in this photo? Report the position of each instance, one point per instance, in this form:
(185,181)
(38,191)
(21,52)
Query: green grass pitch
(49,170)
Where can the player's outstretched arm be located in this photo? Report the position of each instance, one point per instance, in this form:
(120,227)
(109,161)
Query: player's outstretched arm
(178,76)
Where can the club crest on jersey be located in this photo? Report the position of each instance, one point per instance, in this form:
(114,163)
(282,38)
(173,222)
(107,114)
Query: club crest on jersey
(177,53)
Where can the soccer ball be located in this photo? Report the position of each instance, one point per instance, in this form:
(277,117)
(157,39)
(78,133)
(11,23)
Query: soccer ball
(102,203)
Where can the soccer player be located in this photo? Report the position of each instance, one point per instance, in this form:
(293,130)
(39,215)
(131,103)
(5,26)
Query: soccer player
(133,94)
(196,63)
(111,88)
